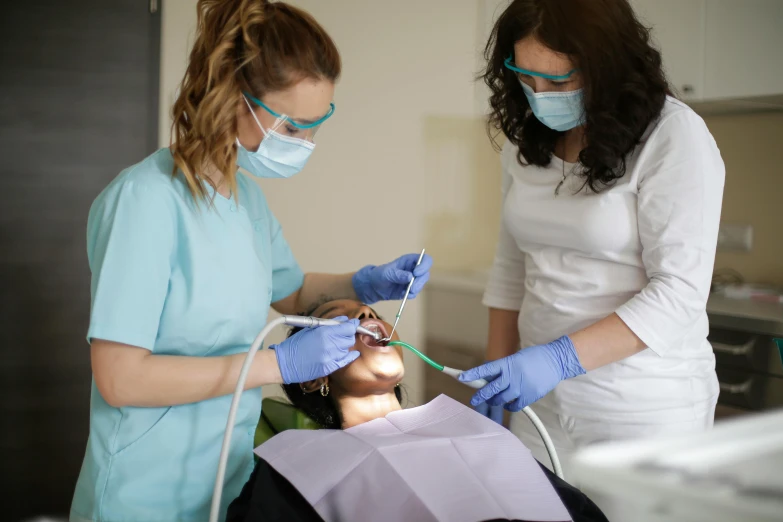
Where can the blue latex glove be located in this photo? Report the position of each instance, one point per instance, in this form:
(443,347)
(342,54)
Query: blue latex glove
(386,282)
(521,379)
(491,412)
(317,352)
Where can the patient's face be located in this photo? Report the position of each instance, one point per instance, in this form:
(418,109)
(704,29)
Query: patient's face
(377,366)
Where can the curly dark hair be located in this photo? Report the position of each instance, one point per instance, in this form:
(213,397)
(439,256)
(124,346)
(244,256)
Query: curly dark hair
(322,410)
(625,86)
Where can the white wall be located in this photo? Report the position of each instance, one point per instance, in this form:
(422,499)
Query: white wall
(367,193)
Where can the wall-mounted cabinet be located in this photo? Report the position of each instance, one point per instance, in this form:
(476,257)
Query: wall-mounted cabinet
(679,31)
(720,54)
(744,43)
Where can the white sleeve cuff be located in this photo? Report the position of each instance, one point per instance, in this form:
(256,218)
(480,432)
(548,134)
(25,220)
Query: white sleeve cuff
(648,336)
(500,302)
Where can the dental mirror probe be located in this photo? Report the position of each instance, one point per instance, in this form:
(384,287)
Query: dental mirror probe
(404,300)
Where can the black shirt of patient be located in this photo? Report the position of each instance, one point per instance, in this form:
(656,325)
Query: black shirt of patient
(268,496)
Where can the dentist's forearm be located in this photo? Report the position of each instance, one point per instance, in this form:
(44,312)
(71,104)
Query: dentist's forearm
(315,288)
(131,376)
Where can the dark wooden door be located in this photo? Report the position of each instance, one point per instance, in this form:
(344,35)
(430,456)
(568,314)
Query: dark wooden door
(78,103)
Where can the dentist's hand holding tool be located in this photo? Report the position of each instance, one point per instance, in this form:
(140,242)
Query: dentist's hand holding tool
(317,352)
(523,378)
(389,282)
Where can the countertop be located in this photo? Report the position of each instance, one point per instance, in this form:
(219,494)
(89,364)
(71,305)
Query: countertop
(735,314)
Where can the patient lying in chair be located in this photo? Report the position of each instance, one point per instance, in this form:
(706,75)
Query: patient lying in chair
(441,461)
(364,390)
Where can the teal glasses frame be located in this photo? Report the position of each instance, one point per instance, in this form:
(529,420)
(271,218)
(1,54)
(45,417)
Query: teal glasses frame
(509,63)
(289,120)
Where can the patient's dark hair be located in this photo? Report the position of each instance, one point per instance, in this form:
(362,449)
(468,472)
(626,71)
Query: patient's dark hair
(322,410)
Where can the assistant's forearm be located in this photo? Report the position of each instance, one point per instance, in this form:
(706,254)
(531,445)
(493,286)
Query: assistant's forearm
(609,340)
(503,338)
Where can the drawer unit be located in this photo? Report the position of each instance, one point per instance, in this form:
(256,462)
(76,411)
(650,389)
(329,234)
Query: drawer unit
(749,367)
(749,390)
(748,351)
(723,412)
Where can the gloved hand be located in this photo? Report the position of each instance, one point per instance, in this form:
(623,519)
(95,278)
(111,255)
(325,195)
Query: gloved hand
(316,352)
(521,379)
(491,412)
(386,282)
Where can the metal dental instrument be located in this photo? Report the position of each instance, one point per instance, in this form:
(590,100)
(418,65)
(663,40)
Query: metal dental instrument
(365,331)
(404,300)
(309,322)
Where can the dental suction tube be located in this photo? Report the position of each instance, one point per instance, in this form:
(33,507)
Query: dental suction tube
(214,512)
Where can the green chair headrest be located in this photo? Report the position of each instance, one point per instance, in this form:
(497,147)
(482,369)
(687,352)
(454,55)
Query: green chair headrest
(278,415)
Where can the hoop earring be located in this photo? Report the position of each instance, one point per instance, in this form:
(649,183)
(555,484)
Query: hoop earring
(324,390)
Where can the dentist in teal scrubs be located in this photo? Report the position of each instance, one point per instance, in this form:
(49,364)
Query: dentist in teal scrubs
(186,259)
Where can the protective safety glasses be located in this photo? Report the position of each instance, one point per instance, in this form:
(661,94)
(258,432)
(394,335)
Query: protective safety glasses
(509,63)
(294,128)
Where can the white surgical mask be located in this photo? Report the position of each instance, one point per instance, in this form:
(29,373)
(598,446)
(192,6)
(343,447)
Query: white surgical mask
(560,111)
(277,156)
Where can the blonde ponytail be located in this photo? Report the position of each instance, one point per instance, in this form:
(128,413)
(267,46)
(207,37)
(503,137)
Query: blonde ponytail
(241,45)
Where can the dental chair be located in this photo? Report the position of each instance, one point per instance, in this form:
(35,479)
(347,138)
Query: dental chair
(277,415)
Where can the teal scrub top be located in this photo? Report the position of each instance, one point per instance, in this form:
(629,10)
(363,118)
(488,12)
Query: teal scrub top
(176,278)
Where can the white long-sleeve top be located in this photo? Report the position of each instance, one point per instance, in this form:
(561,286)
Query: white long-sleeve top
(644,249)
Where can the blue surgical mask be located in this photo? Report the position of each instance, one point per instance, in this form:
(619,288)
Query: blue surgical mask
(278,156)
(560,111)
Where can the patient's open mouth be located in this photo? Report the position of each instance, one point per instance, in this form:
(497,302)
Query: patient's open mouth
(376,326)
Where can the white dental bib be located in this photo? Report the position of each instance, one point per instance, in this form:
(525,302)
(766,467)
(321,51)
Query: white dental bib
(438,462)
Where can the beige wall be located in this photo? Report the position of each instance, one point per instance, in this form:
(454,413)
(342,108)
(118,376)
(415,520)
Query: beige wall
(752,148)
(463,186)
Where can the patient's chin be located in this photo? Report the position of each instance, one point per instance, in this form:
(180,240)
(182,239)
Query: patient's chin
(387,368)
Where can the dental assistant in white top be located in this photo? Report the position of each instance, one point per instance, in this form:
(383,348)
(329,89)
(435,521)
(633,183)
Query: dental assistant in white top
(611,203)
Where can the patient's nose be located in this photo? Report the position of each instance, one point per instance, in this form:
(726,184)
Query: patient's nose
(365,312)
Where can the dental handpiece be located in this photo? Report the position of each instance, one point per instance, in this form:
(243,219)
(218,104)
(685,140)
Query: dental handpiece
(309,322)
(374,335)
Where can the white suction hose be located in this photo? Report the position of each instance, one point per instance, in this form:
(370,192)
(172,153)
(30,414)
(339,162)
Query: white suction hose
(550,447)
(214,512)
